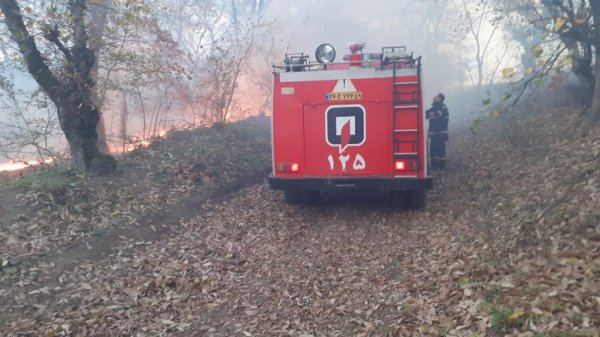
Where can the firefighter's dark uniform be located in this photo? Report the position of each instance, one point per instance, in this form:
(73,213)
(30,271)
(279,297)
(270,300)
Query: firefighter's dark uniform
(438,134)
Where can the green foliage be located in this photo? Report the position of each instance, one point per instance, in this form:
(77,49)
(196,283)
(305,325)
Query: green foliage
(502,319)
(490,296)
(538,51)
(492,114)
(539,82)
(508,73)
(407,308)
(51,179)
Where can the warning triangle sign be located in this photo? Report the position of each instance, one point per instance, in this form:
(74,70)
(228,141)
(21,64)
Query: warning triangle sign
(344,85)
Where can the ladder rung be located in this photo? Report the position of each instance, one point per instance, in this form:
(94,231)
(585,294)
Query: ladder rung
(406,130)
(406,106)
(405,83)
(405,154)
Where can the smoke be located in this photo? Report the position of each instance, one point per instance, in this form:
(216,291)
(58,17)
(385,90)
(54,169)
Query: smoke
(306,24)
(430,29)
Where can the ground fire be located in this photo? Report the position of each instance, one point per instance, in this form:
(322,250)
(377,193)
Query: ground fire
(134,143)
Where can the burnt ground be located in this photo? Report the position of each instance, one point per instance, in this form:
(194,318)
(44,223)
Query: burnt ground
(509,244)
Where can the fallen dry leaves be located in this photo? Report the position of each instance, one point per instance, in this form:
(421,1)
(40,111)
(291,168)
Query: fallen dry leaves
(509,245)
(170,170)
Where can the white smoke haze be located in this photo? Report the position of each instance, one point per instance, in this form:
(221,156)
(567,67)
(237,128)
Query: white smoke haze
(435,30)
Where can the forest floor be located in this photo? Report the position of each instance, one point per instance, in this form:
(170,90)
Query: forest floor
(188,240)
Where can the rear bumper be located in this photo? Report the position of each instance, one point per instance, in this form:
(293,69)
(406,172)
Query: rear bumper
(375,183)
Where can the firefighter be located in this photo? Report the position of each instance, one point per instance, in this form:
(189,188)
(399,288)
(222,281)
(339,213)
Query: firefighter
(438,131)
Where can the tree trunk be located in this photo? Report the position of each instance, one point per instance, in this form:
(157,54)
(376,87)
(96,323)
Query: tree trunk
(70,91)
(98,18)
(595,112)
(80,134)
(124,119)
(78,117)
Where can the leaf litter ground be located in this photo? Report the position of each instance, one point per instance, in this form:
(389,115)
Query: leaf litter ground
(508,245)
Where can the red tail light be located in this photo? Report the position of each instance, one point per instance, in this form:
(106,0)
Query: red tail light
(406,165)
(287,167)
(401,165)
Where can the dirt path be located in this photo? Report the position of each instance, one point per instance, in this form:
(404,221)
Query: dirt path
(252,265)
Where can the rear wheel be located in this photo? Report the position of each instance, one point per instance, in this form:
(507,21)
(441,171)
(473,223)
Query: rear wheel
(310,198)
(293,197)
(416,199)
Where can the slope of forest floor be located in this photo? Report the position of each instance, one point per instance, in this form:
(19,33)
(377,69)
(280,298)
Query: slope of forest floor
(509,244)
(45,212)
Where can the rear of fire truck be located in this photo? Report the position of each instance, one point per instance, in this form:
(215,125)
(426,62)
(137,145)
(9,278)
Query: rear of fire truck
(357,125)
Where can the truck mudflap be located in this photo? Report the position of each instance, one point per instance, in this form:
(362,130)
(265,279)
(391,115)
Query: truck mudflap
(370,183)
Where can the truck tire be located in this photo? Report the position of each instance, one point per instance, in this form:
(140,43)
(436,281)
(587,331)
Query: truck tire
(416,199)
(293,197)
(310,198)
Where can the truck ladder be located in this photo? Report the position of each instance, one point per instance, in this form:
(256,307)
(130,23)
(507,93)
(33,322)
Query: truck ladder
(406,101)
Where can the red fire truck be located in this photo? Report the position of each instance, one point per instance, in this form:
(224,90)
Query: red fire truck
(356,124)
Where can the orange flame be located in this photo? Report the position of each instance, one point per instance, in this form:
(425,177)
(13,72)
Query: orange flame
(142,143)
(19,165)
(16,165)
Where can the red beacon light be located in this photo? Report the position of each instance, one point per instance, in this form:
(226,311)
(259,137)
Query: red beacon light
(356,57)
(356,47)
